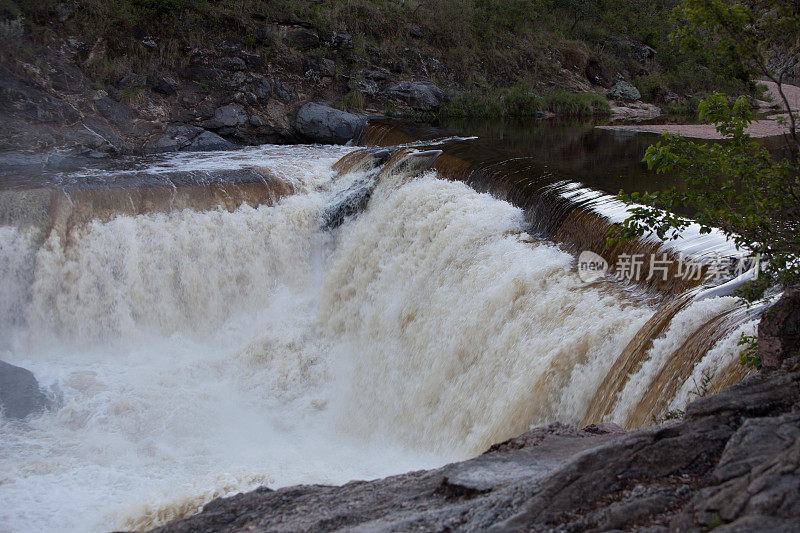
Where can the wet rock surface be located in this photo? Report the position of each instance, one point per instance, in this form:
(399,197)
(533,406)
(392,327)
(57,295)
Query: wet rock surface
(730,464)
(20,395)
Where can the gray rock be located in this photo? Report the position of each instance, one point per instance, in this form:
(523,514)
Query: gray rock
(368,87)
(132,81)
(200,74)
(375,75)
(636,50)
(229,46)
(322,67)
(115,112)
(257,121)
(20,395)
(262,90)
(252,59)
(231,63)
(423,95)
(164,84)
(622,90)
(179,137)
(779,330)
(342,41)
(230,115)
(284,92)
(175,137)
(210,141)
(323,124)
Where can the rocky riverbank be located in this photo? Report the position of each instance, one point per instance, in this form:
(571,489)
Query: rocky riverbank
(93,82)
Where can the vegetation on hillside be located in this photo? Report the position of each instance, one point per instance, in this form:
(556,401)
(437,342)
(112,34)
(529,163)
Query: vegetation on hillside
(507,56)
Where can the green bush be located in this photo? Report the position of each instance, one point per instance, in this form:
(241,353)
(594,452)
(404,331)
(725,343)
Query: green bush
(565,104)
(353,101)
(522,101)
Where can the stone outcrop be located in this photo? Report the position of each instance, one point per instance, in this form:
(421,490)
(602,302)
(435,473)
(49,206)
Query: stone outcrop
(730,464)
(20,395)
(779,330)
(323,124)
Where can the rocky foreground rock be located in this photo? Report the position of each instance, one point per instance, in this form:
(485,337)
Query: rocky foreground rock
(20,394)
(731,464)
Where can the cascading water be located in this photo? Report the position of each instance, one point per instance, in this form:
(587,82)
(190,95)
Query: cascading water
(193,351)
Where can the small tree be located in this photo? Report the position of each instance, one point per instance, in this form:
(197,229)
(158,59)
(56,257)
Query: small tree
(736,186)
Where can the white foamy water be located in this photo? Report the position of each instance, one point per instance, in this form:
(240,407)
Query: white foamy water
(198,354)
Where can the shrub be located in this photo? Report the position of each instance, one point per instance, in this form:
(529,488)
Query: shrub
(567,104)
(353,101)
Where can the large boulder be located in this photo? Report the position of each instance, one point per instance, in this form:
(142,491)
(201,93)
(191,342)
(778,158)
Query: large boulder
(227,116)
(422,95)
(323,124)
(779,330)
(636,111)
(622,90)
(20,394)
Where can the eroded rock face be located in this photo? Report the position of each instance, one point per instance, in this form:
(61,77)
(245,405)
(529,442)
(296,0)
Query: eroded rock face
(779,330)
(731,463)
(324,124)
(20,395)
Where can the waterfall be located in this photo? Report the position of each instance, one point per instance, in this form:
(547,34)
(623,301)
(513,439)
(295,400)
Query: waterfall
(203,338)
